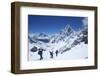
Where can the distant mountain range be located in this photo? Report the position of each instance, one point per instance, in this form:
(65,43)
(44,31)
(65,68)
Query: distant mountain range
(62,41)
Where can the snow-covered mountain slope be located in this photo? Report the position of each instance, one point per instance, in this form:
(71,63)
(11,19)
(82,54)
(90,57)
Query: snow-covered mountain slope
(66,40)
(63,35)
(81,36)
(77,52)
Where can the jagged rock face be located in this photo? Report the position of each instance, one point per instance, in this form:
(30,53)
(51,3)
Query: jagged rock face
(63,35)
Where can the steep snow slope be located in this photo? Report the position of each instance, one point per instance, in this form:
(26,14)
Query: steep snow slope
(78,52)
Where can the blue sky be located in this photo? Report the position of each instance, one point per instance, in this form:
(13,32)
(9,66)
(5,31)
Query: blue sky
(52,24)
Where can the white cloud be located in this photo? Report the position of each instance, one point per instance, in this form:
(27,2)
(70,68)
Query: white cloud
(85,21)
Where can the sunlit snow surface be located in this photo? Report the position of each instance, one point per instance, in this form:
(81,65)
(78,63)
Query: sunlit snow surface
(78,52)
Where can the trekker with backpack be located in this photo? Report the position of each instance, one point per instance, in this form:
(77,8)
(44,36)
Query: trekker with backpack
(56,52)
(40,52)
(51,54)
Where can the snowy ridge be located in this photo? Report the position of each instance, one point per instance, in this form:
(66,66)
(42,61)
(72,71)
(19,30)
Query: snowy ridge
(65,41)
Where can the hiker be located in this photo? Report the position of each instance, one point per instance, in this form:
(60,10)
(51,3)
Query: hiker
(51,54)
(40,52)
(56,52)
